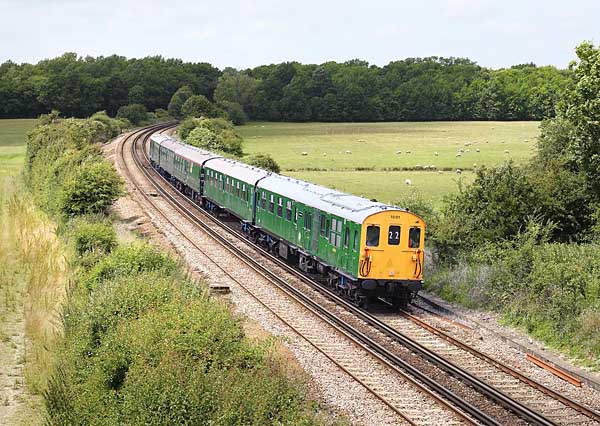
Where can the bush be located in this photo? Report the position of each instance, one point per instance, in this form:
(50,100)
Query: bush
(94,237)
(130,259)
(136,114)
(235,112)
(264,161)
(215,134)
(112,128)
(91,189)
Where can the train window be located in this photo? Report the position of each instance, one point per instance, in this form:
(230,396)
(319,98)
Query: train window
(271,204)
(288,210)
(346,237)
(299,215)
(191,166)
(372,235)
(264,200)
(307,221)
(339,226)
(323,227)
(280,207)
(414,237)
(355,243)
(394,235)
(244,193)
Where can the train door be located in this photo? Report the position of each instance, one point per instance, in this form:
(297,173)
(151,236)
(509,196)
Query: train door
(315,230)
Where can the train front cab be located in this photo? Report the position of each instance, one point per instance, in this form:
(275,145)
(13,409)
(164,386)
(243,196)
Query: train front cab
(392,255)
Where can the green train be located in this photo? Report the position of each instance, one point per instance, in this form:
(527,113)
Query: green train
(361,248)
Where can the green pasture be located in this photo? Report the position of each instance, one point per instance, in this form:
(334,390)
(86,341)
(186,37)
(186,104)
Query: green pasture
(375,159)
(12,144)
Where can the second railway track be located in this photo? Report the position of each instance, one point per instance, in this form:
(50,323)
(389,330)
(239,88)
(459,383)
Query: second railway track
(408,354)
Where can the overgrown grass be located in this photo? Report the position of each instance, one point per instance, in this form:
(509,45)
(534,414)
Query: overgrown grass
(549,290)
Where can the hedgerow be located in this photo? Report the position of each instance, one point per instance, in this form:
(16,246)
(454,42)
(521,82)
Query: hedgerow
(142,343)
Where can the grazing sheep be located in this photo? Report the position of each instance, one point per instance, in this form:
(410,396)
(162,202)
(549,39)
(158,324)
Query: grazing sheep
(304,153)
(361,140)
(474,164)
(408,152)
(459,155)
(506,151)
(348,152)
(436,153)
(440,172)
(468,150)
(398,152)
(425,167)
(461,150)
(432,167)
(458,171)
(477,150)
(408,181)
(324,154)
(467,143)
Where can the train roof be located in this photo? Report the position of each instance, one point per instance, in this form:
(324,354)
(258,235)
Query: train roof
(350,207)
(192,153)
(238,170)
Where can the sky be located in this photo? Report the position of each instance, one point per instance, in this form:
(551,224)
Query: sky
(244,34)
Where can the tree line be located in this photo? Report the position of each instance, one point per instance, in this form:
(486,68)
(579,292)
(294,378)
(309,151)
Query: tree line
(412,89)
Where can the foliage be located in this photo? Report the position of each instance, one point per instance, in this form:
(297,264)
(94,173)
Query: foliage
(134,113)
(213,134)
(432,88)
(264,161)
(91,189)
(198,106)
(178,99)
(552,290)
(144,345)
(129,260)
(95,237)
(234,111)
(496,206)
(237,88)
(583,112)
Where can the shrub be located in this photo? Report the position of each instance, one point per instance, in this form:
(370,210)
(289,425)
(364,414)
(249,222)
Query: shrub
(134,113)
(112,128)
(91,189)
(264,161)
(97,237)
(215,134)
(128,260)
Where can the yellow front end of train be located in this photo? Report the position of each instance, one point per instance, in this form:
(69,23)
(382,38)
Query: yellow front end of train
(392,248)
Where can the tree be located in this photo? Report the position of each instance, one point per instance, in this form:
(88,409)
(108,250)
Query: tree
(178,99)
(135,113)
(235,112)
(237,87)
(197,106)
(583,111)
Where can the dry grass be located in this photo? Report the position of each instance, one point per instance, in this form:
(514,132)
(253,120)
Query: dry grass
(34,274)
(41,255)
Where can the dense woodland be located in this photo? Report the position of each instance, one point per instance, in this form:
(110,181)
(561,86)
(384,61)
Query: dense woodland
(413,89)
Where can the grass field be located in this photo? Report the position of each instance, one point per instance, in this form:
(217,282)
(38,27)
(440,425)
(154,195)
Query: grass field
(12,144)
(375,159)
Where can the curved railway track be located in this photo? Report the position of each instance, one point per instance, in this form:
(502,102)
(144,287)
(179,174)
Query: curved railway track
(359,326)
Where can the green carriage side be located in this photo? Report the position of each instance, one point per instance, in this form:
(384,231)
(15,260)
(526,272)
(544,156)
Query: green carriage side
(180,161)
(299,213)
(230,185)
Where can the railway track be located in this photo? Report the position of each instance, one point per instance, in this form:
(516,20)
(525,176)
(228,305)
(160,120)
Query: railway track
(388,339)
